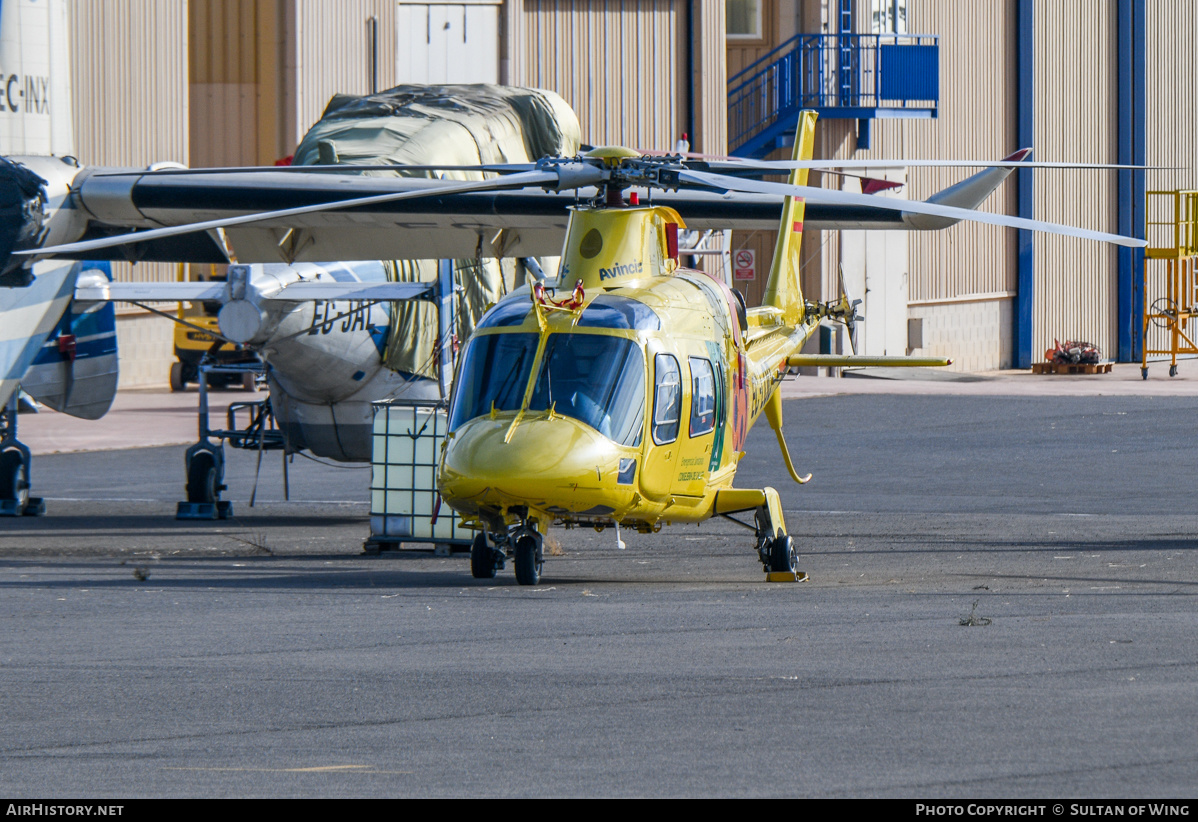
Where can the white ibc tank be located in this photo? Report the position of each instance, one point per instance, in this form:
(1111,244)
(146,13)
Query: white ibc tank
(404,503)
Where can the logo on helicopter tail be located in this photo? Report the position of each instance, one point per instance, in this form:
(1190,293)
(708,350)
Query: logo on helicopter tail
(621,270)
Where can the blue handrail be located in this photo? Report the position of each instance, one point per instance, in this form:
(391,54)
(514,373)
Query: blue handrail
(851,75)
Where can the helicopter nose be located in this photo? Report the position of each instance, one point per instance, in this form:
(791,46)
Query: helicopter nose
(545,462)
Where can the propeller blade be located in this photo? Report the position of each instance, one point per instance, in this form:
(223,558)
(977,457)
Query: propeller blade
(528,178)
(832,197)
(851,328)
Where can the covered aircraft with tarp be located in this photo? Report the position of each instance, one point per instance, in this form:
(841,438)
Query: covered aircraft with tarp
(453,125)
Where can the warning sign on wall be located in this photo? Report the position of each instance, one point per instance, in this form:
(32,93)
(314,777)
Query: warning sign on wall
(744,264)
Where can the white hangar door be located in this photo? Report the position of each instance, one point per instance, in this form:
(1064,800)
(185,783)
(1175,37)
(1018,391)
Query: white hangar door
(875,271)
(448,43)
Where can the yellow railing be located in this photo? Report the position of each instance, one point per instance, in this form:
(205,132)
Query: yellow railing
(1170,275)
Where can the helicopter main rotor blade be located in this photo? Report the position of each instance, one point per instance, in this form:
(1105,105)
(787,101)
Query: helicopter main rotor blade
(341,168)
(833,197)
(520,180)
(780,166)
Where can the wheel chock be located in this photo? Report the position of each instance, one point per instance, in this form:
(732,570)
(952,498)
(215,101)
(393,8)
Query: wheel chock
(35,507)
(786,576)
(204,510)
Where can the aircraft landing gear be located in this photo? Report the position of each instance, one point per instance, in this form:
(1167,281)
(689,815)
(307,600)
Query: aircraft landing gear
(529,558)
(523,543)
(205,467)
(485,561)
(783,556)
(15,464)
(776,548)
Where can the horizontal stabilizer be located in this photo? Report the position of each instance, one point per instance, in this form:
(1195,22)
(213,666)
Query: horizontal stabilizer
(151,292)
(862,361)
(309,291)
(298,292)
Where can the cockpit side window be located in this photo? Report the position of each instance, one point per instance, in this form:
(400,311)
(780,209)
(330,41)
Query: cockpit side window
(702,397)
(667,399)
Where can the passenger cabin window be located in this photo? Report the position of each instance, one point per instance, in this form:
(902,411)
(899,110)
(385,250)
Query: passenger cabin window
(667,399)
(702,397)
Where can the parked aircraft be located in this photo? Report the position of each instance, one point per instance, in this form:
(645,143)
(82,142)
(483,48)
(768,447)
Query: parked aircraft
(625,397)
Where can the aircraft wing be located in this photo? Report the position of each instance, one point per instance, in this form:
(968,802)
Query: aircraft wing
(304,291)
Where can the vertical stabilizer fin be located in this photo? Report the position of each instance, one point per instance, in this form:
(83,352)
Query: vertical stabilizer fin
(783,289)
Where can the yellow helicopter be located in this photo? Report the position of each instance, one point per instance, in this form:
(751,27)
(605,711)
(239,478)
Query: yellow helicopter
(627,402)
(626,399)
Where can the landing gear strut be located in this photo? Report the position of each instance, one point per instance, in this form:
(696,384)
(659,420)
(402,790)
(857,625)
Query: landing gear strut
(775,548)
(15,464)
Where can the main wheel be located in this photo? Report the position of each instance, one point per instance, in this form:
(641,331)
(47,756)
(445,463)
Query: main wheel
(782,554)
(482,558)
(528,561)
(201,478)
(178,383)
(14,478)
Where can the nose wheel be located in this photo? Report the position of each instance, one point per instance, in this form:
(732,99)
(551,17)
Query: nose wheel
(529,560)
(489,554)
(485,561)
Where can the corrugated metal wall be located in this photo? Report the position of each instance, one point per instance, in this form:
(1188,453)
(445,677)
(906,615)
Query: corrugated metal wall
(710,78)
(333,52)
(619,63)
(1171,30)
(129,82)
(977,119)
(129,77)
(239,50)
(1076,120)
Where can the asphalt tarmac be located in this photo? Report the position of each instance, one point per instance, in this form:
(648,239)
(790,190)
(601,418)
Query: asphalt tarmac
(1001,604)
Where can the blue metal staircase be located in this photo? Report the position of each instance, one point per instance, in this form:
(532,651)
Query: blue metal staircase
(848,76)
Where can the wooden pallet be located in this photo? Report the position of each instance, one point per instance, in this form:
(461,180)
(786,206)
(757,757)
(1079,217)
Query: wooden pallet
(1071,368)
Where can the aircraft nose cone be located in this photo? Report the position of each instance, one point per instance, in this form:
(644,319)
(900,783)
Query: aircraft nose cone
(545,462)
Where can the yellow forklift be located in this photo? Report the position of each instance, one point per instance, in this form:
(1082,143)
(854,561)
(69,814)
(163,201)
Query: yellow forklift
(196,339)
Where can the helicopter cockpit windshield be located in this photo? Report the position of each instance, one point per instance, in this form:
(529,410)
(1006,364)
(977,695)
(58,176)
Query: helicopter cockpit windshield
(596,379)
